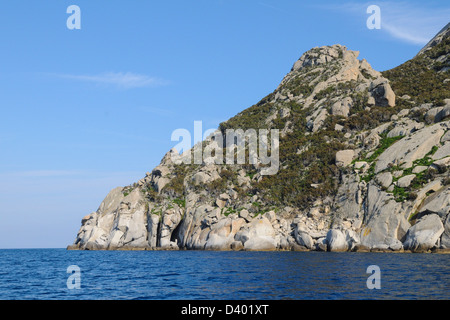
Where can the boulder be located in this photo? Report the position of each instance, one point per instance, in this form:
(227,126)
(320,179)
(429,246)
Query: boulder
(405,181)
(433,115)
(344,157)
(321,244)
(352,238)
(336,241)
(342,107)
(424,234)
(244,214)
(382,92)
(446,137)
(372,140)
(438,113)
(422,194)
(257,235)
(437,203)
(208,174)
(384,179)
(221,203)
(217,242)
(260,243)
(404,128)
(303,238)
(419,169)
(222,234)
(441,164)
(361,165)
(161,183)
(442,152)
(394,244)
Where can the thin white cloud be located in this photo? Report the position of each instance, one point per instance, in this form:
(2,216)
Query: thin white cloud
(412,23)
(125,80)
(405,35)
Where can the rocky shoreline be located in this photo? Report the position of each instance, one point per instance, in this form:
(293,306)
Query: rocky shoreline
(358,249)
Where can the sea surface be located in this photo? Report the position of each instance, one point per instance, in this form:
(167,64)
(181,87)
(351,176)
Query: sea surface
(176,275)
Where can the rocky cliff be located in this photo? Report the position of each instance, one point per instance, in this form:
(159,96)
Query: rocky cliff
(363,165)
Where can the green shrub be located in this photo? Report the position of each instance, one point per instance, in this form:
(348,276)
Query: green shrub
(385,143)
(175,188)
(419,77)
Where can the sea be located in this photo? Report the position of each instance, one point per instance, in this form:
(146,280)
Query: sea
(59,274)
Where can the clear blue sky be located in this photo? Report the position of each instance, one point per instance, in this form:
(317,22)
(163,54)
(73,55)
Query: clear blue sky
(84,111)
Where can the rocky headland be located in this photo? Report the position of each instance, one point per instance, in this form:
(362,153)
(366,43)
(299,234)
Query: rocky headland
(364,166)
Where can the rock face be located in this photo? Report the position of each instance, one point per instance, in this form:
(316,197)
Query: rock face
(336,241)
(411,148)
(304,239)
(382,93)
(385,220)
(362,172)
(344,157)
(424,234)
(445,240)
(342,107)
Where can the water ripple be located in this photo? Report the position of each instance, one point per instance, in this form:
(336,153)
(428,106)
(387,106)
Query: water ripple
(144,275)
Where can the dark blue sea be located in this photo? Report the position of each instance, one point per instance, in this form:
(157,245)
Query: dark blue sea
(175,275)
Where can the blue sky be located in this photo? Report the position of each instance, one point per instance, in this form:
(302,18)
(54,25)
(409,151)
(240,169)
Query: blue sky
(84,111)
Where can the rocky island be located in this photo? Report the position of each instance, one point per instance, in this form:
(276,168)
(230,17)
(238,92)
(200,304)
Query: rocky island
(363,166)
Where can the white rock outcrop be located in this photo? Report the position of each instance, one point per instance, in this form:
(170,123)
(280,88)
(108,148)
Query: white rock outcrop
(412,147)
(336,241)
(424,234)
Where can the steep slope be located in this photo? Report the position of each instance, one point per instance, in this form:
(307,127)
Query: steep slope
(359,168)
(423,78)
(437,39)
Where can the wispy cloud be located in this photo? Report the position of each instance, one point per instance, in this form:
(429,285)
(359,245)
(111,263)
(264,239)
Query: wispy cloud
(412,23)
(124,80)
(408,22)
(406,34)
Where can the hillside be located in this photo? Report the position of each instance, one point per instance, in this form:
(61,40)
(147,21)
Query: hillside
(363,165)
